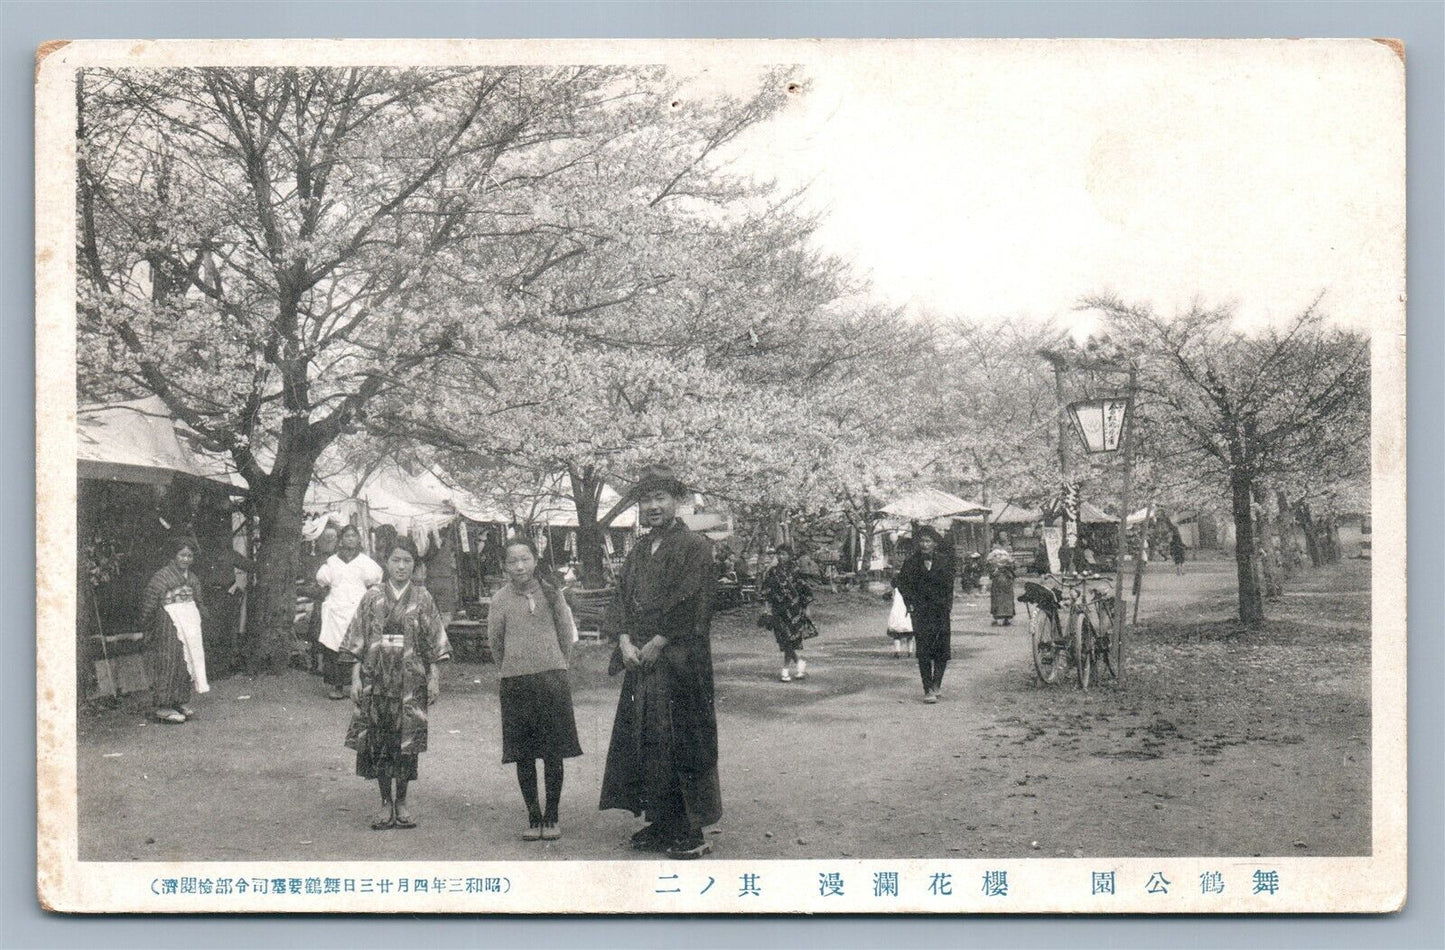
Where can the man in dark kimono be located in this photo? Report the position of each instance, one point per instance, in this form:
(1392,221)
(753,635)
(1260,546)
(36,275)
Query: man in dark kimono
(662,762)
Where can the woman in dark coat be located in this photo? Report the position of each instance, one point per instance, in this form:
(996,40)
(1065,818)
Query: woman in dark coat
(926,582)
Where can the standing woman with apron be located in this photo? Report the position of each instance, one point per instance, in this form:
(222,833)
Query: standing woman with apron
(345,577)
(171,612)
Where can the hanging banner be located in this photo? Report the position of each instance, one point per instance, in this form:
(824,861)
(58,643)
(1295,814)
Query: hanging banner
(1053,537)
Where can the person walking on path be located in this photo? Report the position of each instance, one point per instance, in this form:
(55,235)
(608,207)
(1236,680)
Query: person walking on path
(531,632)
(397,639)
(925,582)
(788,596)
(325,546)
(171,612)
(343,579)
(662,760)
(1176,551)
(1001,571)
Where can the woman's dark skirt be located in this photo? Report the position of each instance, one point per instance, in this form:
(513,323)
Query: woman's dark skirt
(166,664)
(380,755)
(537,718)
(1001,597)
(335,667)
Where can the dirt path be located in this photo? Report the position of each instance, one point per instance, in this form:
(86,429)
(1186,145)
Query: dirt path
(1222,743)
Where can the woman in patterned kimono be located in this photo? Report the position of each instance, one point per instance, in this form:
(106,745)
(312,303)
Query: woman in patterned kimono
(397,639)
(171,613)
(788,597)
(1001,571)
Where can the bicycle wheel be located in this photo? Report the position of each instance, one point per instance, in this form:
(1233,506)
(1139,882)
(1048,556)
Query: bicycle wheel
(1105,640)
(1046,645)
(1083,640)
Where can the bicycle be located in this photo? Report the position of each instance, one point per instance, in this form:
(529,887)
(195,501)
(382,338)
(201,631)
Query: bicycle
(1071,623)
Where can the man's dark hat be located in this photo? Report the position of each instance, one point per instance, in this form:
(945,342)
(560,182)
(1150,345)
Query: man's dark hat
(653,477)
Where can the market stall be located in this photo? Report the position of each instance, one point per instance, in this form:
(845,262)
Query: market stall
(139,482)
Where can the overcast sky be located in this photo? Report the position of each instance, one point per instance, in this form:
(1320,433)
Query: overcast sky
(1010,179)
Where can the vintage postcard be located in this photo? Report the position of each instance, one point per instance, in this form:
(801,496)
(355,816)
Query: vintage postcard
(884,476)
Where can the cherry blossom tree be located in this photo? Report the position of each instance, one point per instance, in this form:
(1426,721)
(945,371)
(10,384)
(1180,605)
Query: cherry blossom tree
(272,251)
(1250,411)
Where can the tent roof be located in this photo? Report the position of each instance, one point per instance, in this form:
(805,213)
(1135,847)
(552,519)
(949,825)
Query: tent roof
(930,504)
(394,496)
(1010,513)
(137,440)
(423,499)
(1090,513)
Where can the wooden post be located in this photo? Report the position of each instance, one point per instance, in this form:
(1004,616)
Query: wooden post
(1140,565)
(1065,469)
(1128,447)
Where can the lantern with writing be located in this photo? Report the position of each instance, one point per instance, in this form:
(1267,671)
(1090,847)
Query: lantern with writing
(1100,422)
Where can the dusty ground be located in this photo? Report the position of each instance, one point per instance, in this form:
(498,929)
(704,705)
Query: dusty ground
(1220,743)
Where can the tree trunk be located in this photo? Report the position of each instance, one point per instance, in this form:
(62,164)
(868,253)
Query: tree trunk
(866,530)
(586,495)
(1251,604)
(271,614)
(1269,545)
(1305,518)
(1331,540)
(1284,524)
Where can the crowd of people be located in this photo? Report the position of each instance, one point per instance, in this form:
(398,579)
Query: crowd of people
(378,638)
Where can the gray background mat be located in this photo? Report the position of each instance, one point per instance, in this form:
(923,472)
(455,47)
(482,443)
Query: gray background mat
(24,25)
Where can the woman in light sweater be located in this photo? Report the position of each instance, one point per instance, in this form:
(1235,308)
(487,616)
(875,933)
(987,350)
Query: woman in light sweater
(531,632)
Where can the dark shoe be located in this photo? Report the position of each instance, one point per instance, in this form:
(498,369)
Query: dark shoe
(690,848)
(652,839)
(386,818)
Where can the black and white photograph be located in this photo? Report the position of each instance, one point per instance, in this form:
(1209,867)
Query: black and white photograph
(952,476)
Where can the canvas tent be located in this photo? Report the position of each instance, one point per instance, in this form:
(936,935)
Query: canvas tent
(1090,513)
(137,441)
(931,504)
(1010,513)
(139,482)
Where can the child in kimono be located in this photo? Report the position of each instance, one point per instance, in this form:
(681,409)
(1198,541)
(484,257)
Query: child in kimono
(397,639)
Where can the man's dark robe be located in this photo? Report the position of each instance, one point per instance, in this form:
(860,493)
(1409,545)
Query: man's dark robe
(663,758)
(928,594)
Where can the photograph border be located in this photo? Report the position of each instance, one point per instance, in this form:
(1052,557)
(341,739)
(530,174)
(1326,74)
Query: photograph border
(1428,350)
(1036,885)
